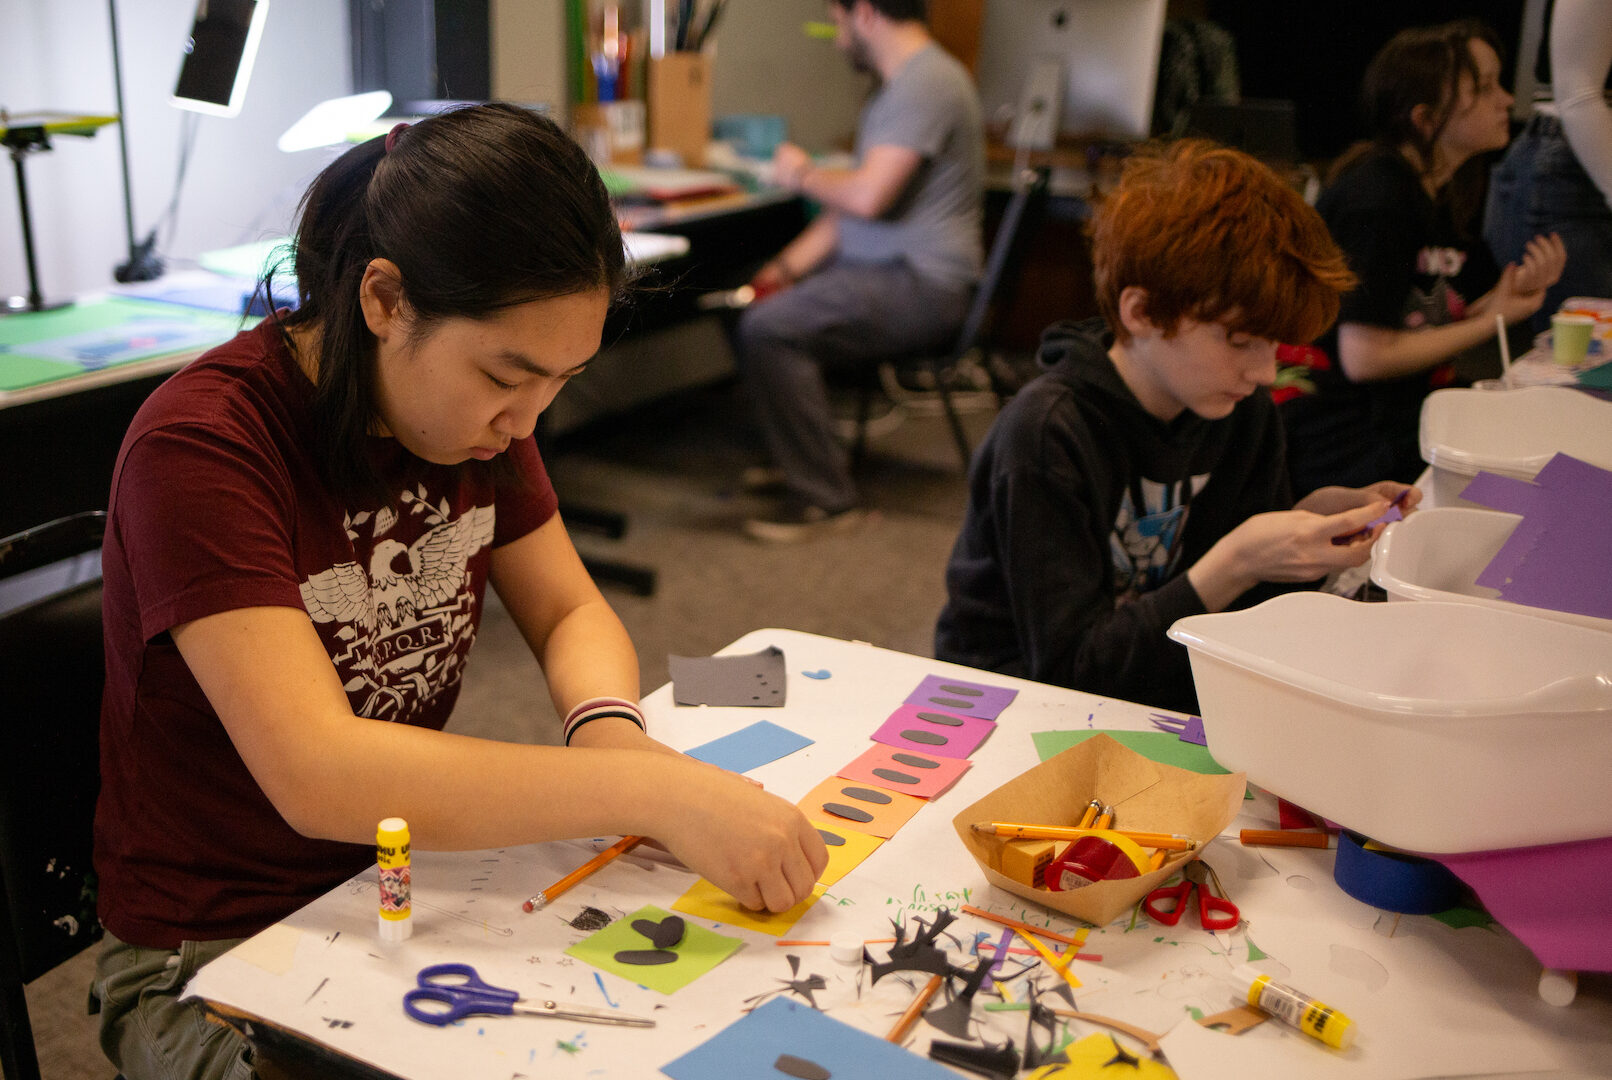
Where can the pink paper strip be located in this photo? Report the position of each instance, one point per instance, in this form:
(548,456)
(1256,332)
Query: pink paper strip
(946,736)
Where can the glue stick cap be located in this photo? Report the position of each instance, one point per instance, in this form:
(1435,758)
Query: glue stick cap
(845,947)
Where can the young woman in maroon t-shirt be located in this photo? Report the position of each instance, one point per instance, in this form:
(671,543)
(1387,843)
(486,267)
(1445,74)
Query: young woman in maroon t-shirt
(302,524)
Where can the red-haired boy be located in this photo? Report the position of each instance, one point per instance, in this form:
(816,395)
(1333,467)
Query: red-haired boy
(1141,477)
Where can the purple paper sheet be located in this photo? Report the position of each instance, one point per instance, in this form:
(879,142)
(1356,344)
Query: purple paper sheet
(962,697)
(1555,898)
(1558,556)
(907,729)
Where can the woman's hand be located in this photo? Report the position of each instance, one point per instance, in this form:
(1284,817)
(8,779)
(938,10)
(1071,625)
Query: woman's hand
(752,845)
(1335,500)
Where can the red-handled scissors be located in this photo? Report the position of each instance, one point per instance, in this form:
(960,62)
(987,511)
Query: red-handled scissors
(449,992)
(1215,912)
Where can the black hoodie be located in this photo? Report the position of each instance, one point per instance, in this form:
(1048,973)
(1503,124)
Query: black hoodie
(1051,579)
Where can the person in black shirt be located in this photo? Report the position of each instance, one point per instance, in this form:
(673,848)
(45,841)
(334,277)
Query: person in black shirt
(1141,478)
(1403,207)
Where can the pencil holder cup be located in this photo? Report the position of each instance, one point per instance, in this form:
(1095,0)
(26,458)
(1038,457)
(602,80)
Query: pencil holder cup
(680,105)
(612,132)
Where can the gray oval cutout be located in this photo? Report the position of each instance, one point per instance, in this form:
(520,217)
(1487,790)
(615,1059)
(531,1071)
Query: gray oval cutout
(866,794)
(928,738)
(849,813)
(800,1068)
(645,957)
(915,761)
(831,839)
(941,718)
(895,777)
(951,703)
(965,691)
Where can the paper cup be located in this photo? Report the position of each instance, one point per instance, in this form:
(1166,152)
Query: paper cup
(1570,337)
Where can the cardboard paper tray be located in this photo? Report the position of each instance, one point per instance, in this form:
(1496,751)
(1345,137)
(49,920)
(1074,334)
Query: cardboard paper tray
(1146,795)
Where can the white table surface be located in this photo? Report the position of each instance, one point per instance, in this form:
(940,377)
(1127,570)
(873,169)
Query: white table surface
(1429,1000)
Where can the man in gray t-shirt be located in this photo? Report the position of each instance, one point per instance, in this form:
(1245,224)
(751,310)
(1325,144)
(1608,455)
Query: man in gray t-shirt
(887,269)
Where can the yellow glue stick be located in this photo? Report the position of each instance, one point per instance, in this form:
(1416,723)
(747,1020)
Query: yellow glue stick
(1298,1009)
(392,857)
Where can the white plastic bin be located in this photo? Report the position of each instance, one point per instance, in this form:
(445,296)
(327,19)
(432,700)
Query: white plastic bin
(1513,432)
(1434,727)
(1438,554)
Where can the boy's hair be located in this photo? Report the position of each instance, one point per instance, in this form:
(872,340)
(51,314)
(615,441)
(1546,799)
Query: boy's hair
(896,10)
(481,208)
(1212,235)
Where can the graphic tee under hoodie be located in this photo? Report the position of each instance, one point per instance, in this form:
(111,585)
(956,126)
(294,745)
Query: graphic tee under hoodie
(1084,514)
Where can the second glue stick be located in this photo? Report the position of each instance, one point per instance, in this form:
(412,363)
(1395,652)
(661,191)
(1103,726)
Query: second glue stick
(392,857)
(1318,1020)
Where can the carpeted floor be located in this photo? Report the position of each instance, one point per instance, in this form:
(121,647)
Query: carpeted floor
(674,467)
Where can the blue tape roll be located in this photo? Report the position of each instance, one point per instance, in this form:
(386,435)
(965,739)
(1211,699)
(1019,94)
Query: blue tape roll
(1408,884)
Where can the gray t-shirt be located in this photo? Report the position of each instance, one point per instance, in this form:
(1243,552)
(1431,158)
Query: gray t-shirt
(929,106)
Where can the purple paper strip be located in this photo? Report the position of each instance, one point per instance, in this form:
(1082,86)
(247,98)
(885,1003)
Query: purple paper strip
(962,697)
(907,730)
(1555,898)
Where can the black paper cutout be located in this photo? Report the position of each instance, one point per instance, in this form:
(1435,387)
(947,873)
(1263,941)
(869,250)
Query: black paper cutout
(928,738)
(645,957)
(850,813)
(951,703)
(871,795)
(831,839)
(941,718)
(664,934)
(1122,1056)
(895,777)
(800,1068)
(965,691)
(996,1062)
(915,761)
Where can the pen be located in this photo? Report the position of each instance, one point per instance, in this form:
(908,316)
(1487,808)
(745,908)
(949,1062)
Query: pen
(914,1010)
(1014,831)
(1285,838)
(547,896)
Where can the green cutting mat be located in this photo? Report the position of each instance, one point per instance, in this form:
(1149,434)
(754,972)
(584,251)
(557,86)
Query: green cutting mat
(43,346)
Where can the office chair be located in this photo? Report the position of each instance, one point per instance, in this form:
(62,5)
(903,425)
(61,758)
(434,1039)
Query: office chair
(908,380)
(49,773)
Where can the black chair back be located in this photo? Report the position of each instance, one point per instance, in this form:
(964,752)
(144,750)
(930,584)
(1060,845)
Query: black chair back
(51,652)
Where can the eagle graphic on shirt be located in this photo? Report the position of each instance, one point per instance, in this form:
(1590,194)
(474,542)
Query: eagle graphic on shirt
(1145,542)
(403,619)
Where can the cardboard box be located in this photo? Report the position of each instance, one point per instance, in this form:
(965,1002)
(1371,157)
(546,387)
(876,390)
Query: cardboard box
(1146,796)
(679,94)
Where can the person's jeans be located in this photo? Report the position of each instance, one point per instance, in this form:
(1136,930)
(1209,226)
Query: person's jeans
(146,1031)
(1539,187)
(843,315)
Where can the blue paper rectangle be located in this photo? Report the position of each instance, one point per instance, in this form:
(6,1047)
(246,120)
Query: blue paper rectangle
(751,747)
(750,1049)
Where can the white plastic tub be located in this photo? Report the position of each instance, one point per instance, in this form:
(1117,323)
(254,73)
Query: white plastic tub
(1434,727)
(1438,554)
(1513,432)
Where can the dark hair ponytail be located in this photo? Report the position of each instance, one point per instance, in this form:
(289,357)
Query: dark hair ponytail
(480,208)
(1423,66)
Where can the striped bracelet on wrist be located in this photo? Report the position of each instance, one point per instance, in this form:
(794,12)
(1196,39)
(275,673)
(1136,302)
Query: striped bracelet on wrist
(597,709)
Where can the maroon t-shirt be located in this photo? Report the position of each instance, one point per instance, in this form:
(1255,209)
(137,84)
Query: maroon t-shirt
(217,503)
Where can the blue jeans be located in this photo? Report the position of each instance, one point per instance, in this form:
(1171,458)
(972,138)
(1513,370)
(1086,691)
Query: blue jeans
(844,315)
(1539,187)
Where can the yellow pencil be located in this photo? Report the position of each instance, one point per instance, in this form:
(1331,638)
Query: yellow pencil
(914,1010)
(1015,831)
(620,847)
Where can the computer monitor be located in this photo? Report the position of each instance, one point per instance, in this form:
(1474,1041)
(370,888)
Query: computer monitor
(218,56)
(1109,51)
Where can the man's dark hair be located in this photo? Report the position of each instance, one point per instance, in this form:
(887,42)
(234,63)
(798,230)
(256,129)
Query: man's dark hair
(481,208)
(897,10)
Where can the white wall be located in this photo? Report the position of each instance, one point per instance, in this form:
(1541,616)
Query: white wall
(58,55)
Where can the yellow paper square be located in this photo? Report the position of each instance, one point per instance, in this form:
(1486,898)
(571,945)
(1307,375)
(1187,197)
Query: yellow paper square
(843,858)
(705,901)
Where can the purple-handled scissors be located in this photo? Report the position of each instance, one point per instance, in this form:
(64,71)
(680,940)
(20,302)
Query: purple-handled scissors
(449,992)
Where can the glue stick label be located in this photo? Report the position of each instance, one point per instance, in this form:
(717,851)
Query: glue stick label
(392,859)
(1311,1017)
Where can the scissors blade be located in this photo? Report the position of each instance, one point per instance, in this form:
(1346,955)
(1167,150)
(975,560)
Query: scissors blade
(585,1013)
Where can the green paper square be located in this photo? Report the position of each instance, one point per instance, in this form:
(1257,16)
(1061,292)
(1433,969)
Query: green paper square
(698,952)
(1160,746)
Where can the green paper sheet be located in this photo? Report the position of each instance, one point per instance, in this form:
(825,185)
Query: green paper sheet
(1161,746)
(698,952)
